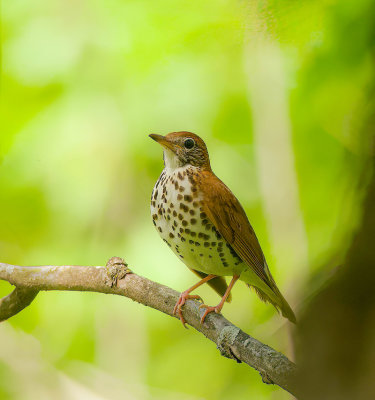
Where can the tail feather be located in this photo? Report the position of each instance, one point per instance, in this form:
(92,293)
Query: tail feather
(283,305)
(275,297)
(286,310)
(278,302)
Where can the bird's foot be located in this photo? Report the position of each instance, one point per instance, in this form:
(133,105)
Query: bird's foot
(117,269)
(181,301)
(208,310)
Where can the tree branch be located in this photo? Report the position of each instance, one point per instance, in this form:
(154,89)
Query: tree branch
(233,343)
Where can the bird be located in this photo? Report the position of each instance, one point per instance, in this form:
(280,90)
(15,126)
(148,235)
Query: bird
(204,224)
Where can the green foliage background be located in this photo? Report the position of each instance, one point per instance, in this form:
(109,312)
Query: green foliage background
(279,90)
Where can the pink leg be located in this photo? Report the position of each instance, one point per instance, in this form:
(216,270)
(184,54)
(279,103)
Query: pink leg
(218,308)
(186,296)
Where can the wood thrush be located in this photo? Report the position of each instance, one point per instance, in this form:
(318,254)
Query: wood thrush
(206,227)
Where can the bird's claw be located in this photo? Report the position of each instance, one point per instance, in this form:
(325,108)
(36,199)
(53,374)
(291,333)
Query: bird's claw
(209,309)
(181,301)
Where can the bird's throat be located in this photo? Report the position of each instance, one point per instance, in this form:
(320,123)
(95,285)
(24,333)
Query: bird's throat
(171,161)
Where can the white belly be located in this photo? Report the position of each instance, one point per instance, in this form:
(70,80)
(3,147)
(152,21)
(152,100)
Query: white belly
(181,223)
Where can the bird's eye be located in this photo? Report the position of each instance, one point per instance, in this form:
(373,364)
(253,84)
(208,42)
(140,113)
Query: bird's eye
(189,143)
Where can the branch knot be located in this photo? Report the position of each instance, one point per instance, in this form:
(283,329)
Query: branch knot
(227,337)
(117,269)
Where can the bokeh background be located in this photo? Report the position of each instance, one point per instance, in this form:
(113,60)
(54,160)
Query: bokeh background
(279,90)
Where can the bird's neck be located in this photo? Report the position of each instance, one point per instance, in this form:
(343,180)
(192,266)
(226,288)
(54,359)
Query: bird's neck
(171,161)
(185,170)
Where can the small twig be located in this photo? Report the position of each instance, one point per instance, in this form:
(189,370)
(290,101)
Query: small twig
(233,343)
(16,301)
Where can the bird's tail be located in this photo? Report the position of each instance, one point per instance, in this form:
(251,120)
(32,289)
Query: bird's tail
(275,298)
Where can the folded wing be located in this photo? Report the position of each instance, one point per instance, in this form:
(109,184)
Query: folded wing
(229,218)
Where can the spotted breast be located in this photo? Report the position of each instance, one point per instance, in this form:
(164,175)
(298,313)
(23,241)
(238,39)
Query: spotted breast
(178,216)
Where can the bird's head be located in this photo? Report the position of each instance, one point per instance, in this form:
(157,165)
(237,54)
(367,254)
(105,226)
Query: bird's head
(183,148)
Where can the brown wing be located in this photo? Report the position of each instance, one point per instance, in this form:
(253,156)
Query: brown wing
(219,284)
(229,218)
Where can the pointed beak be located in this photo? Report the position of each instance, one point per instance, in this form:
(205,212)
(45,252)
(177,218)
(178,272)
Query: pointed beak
(162,140)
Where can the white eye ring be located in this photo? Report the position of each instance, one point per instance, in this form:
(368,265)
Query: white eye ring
(189,143)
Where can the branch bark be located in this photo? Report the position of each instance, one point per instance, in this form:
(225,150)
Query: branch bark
(232,342)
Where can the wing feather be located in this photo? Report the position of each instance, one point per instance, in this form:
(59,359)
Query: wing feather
(229,218)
